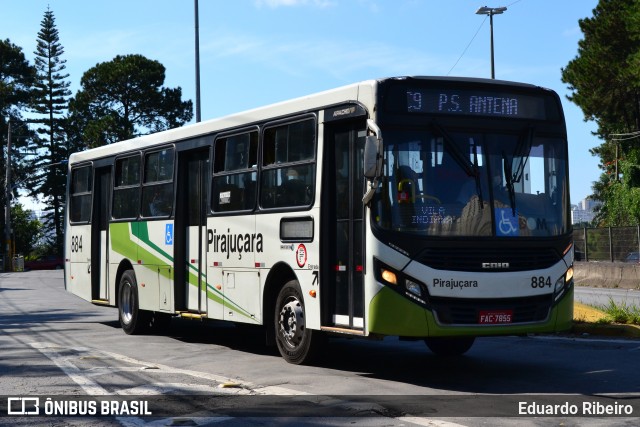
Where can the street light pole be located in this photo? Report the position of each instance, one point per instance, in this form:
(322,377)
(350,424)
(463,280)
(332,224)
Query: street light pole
(484,10)
(7,208)
(197,54)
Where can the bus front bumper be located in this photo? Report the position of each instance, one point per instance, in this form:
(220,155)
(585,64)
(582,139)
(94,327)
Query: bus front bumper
(392,314)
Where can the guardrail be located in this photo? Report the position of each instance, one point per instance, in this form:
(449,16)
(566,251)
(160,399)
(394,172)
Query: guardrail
(614,244)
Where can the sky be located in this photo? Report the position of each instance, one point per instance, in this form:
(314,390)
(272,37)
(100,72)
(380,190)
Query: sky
(257,52)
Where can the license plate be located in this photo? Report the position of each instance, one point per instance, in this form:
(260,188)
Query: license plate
(495,317)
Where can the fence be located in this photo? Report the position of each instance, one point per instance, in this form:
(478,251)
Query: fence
(620,244)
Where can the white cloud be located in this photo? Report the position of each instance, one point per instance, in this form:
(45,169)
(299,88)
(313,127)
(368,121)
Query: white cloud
(338,58)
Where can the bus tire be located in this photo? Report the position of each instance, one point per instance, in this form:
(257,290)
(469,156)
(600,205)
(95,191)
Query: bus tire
(132,320)
(295,342)
(449,346)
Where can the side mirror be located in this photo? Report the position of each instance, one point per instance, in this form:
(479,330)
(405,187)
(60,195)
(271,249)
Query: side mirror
(372,157)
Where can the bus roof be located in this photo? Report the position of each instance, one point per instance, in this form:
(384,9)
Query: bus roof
(350,93)
(237,120)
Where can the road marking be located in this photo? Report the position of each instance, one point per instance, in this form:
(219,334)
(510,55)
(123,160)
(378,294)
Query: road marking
(589,340)
(64,357)
(57,355)
(428,422)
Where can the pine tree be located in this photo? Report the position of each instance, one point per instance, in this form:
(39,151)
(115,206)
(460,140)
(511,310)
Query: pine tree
(51,96)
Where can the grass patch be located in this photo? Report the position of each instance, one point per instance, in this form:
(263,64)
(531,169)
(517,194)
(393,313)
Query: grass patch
(621,313)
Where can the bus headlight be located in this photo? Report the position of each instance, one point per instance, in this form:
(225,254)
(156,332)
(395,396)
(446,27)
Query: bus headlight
(569,275)
(559,285)
(413,287)
(563,283)
(401,283)
(389,276)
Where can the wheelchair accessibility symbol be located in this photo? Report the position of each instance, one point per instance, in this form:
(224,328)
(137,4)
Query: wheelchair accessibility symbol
(168,234)
(506,223)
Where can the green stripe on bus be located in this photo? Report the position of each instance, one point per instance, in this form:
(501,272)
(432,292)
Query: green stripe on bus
(142,233)
(122,243)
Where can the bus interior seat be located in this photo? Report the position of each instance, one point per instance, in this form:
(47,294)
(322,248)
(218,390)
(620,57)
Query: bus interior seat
(294,192)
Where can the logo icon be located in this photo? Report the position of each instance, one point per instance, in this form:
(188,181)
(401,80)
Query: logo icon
(506,222)
(168,234)
(23,406)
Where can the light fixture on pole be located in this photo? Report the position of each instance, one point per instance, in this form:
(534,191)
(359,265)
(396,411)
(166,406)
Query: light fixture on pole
(484,10)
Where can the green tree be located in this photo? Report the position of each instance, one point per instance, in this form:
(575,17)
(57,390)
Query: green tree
(50,99)
(124,98)
(604,80)
(27,230)
(16,80)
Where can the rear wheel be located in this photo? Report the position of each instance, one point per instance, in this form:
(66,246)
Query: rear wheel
(295,342)
(449,346)
(132,319)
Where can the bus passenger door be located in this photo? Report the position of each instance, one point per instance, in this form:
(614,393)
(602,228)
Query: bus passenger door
(190,236)
(78,233)
(99,266)
(342,212)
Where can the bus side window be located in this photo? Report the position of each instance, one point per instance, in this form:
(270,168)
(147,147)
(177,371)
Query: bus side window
(235,172)
(80,209)
(157,189)
(126,191)
(288,161)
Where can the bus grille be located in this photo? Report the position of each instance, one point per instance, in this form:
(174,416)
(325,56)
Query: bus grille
(472,259)
(455,311)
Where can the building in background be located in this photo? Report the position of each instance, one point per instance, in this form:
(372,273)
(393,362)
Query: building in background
(583,212)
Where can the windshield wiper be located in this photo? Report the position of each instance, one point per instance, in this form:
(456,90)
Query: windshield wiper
(471,169)
(522,151)
(477,175)
(510,180)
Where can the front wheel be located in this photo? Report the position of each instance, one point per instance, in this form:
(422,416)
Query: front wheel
(295,342)
(449,346)
(133,320)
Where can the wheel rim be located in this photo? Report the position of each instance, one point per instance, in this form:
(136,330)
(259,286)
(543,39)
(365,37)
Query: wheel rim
(291,323)
(126,303)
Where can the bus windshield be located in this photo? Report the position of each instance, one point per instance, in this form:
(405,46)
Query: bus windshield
(441,183)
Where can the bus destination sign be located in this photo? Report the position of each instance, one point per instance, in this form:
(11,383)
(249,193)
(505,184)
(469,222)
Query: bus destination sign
(473,102)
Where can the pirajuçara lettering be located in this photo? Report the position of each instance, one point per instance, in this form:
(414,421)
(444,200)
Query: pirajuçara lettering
(231,243)
(445,283)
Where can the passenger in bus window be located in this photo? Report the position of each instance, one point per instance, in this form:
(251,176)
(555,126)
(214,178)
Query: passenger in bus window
(159,205)
(500,192)
(467,190)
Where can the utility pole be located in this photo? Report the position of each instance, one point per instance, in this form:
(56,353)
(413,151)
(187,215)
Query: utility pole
(7,208)
(197,48)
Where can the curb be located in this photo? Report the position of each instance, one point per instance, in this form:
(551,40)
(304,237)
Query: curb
(589,321)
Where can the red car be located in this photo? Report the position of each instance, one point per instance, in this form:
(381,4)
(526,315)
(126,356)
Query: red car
(49,262)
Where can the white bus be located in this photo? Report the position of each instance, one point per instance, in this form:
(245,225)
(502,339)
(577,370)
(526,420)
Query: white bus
(419,207)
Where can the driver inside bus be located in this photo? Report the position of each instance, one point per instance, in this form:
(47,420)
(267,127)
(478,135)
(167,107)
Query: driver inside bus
(470,188)
(500,193)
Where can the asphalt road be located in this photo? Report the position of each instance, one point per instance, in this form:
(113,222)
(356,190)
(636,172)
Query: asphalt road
(54,345)
(599,297)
